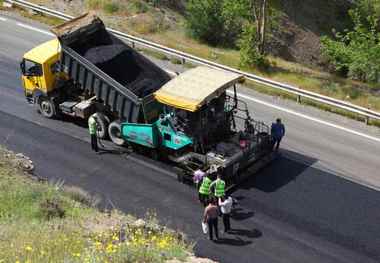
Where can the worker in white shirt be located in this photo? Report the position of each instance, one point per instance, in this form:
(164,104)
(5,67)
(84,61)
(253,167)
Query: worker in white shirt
(225,204)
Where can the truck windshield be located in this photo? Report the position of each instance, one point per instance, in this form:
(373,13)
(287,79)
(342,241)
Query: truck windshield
(30,68)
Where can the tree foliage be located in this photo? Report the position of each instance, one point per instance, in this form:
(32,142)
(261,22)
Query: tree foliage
(215,22)
(249,51)
(231,23)
(356,53)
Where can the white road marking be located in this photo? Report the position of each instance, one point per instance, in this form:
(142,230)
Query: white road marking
(35,29)
(376,139)
(3,19)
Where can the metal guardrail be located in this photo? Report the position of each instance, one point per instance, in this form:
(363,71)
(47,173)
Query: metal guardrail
(184,56)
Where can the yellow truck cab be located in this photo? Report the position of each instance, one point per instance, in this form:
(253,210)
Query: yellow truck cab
(38,69)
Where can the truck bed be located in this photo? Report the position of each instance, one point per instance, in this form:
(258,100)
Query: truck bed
(103,65)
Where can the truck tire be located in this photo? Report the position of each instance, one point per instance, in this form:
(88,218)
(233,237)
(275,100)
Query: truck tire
(47,107)
(114,131)
(102,122)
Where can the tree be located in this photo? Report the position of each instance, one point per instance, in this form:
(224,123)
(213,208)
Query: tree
(356,53)
(216,22)
(249,52)
(258,9)
(253,39)
(204,20)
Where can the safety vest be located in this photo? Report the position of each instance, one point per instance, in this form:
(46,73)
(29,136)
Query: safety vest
(220,186)
(92,125)
(205,186)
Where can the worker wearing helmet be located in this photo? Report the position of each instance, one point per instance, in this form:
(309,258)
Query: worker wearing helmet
(92,128)
(219,186)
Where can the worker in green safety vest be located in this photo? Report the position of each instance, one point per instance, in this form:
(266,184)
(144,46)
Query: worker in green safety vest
(92,128)
(219,186)
(204,190)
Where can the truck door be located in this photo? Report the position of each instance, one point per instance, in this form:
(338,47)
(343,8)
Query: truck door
(31,76)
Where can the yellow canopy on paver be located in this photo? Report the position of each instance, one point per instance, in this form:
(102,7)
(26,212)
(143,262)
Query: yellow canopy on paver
(196,87)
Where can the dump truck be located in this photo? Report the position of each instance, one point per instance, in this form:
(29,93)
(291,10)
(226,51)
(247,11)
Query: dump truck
(86,70)
(193,121)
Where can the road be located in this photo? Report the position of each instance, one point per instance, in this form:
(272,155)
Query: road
(306,207)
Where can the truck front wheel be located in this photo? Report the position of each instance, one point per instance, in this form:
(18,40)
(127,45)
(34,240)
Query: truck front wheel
(47,107)
(114,131)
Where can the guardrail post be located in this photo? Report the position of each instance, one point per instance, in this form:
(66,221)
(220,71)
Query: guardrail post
(183,61)
(299,99)
(366,120)
(133,44)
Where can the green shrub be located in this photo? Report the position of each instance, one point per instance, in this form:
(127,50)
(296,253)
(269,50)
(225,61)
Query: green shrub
(355,53)
(204,20)
(139,7)
(111,7)
(249,53)
(52,208)
(175,60)
(81,196)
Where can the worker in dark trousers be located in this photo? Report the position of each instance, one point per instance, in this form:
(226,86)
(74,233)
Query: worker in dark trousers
(210,217)
(219,186)
(278,131)
(92,127)
(204,190)
(225,205)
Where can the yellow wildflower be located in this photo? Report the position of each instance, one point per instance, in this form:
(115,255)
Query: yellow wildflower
(28,248)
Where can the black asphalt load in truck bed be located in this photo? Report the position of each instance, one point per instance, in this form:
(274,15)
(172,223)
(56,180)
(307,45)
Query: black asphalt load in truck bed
(121,62)
(115,60)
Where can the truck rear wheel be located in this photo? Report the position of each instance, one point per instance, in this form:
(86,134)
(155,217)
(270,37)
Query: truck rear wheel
(102,122)
(114,131)
(46,107)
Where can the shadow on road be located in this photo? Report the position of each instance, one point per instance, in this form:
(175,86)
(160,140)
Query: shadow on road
(255,233)
(288,166)
(239,214)
(233,241)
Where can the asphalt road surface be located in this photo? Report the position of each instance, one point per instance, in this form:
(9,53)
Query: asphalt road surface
(302,208)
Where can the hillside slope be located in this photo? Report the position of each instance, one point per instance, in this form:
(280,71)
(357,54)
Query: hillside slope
(302,23)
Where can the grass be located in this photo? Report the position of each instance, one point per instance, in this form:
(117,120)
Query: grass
(111,7)
(49,20)
(154,54)
(42,222)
